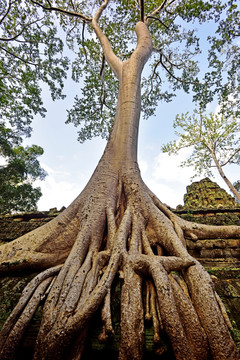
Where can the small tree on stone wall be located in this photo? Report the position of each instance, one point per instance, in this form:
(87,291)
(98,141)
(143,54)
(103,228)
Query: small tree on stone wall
(215,143)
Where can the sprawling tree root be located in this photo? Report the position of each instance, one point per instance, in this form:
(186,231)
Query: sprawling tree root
(117,225)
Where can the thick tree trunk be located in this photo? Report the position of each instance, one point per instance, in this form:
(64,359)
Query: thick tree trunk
(117,224)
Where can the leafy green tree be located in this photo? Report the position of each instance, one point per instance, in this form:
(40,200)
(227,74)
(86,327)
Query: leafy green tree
(237,186)
(221,81)
(117,225)
(30,55)
(214,139)
(21,168)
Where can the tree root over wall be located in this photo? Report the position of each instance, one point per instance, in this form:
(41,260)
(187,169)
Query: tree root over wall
(117,225)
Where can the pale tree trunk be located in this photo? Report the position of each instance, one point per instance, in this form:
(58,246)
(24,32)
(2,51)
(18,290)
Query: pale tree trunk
(117,225)
(222,174)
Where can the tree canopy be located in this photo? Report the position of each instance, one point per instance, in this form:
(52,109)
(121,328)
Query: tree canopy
(31,54)
(19,169)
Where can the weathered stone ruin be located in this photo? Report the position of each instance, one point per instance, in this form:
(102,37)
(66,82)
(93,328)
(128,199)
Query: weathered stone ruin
(207,194)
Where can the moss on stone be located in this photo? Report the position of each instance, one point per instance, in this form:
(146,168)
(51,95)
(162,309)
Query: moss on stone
(206,194)
(10,292)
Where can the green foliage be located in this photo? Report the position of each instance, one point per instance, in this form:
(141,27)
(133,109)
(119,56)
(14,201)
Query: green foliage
(211,136)
(222,79)
(237,185)
(21,167)
(30,54)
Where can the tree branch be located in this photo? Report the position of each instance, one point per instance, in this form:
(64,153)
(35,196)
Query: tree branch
(85,52)
(155,18)
(155,73)
(103,90)
(73,6)
(7,12)
(18,57)
(20,33)
(160,8)
(100,10)
(114,62)
(141,4)
(62,11)
(175,65)
(225,134)
(230,158)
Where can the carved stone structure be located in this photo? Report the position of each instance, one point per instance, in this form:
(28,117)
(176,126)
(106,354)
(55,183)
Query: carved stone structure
(205,194)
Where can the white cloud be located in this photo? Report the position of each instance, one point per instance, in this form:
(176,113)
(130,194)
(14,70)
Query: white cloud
(58,190)
(56,194)
(168,167)
(166,178)
(143,166)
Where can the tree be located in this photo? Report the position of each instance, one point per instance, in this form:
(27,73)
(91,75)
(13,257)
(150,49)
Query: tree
(30,55)
(21,168)
(237,185)
(215,141)
(117,223)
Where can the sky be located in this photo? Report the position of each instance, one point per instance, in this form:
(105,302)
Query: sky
(70,164)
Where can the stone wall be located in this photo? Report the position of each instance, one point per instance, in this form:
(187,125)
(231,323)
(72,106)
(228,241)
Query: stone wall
(224,251)
(16,225)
